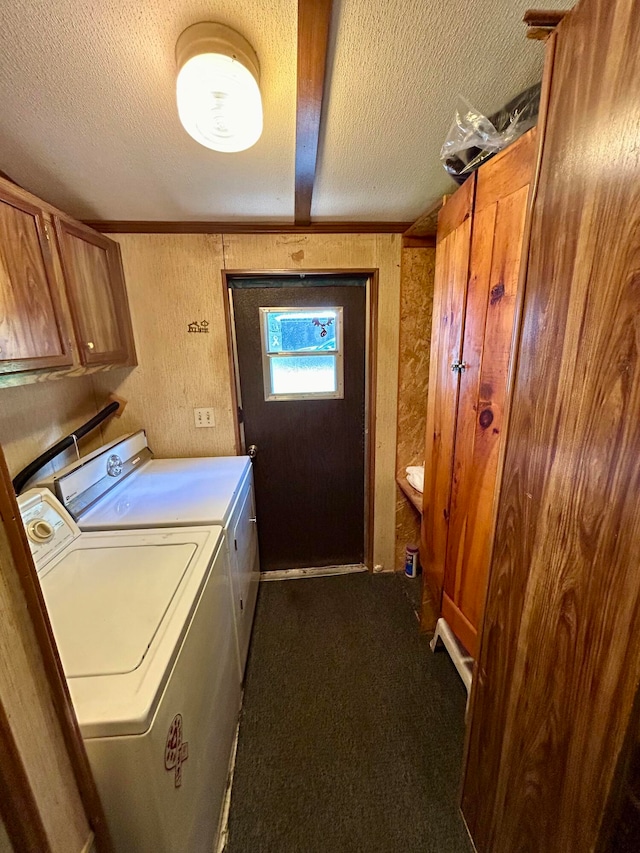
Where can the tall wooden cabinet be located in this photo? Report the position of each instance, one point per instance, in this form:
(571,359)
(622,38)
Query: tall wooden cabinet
(478,263)
(555,701)
(63,300)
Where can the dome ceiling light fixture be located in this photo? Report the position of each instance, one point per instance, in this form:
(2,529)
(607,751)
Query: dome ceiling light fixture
(218,92)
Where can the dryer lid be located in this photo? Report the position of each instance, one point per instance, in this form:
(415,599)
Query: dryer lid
(171,493)
(107,604)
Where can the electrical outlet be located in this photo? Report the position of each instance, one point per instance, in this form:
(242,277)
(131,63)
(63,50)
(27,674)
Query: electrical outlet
(204,418)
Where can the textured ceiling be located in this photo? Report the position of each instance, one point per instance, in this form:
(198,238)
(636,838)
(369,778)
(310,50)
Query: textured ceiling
(397,69)
(87,99)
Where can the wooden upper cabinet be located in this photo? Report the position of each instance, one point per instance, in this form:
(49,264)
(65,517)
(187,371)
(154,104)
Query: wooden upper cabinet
(33,333)
(97,294)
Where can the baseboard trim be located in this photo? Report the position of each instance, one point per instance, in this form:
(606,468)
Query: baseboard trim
(321,572)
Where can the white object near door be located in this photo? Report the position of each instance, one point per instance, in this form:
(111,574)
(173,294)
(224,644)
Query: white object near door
(146,638)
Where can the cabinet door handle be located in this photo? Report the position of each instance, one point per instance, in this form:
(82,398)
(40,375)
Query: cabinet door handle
(253,520)
(90,345)
(458,366)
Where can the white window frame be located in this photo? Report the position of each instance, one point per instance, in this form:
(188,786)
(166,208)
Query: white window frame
(338,353)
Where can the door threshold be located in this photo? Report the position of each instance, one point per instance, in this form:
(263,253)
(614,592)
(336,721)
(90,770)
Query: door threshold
(321,572)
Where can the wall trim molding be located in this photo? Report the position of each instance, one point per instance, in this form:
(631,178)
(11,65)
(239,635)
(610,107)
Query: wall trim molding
(130,226)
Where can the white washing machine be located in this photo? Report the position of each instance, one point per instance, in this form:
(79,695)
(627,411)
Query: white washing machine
(144,627)
(122,486)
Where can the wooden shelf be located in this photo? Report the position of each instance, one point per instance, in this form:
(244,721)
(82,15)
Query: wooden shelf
(413,495)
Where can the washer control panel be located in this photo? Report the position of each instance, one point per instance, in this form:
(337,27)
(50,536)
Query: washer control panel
(48,525)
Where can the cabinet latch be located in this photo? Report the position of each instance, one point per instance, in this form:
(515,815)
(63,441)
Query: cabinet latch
(458,366)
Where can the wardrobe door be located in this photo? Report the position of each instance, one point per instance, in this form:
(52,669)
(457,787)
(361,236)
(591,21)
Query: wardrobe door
(500,210)
(450,292)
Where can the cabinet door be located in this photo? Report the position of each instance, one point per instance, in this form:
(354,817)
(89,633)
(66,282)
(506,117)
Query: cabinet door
(97,294)
(450,290)
(500,210)
(245,569)
(32,330)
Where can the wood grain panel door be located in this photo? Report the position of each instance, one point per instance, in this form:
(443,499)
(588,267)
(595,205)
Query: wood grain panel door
(310,464)
(450,293)
(97,294)
(559,662)
(500,211)
(33,334)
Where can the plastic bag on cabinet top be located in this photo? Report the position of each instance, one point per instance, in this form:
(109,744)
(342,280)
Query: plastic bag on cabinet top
(474,138)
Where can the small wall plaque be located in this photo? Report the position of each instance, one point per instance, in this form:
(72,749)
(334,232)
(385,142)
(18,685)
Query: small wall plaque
(202,326)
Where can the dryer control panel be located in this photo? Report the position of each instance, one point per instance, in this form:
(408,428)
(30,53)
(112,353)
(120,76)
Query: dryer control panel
(48,525)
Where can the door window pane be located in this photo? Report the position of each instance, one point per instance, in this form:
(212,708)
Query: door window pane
(292,374)
(301,331)
(287,333)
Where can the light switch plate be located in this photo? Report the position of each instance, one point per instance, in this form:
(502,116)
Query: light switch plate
(204,418)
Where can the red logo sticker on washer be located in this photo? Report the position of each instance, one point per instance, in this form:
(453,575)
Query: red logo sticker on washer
(176,751)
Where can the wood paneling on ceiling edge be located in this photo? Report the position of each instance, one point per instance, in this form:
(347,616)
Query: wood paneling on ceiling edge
(204,227)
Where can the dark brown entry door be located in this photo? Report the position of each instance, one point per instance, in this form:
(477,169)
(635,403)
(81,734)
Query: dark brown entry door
(301,359)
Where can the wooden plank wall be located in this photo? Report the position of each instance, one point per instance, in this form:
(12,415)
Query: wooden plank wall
(560,654)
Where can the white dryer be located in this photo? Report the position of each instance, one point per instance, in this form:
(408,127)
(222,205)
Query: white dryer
(144,627)
(122,486)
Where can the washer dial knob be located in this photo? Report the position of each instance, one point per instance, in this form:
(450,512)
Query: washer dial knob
(40,530)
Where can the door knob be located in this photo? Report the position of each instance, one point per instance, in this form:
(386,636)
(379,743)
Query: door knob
(253,451)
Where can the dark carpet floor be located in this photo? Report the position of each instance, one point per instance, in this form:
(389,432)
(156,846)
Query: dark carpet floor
(352,730)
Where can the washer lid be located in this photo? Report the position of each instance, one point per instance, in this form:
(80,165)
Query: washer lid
(106,604)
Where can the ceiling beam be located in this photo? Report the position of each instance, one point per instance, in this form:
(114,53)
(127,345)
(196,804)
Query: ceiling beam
(130,226)
(314,17)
